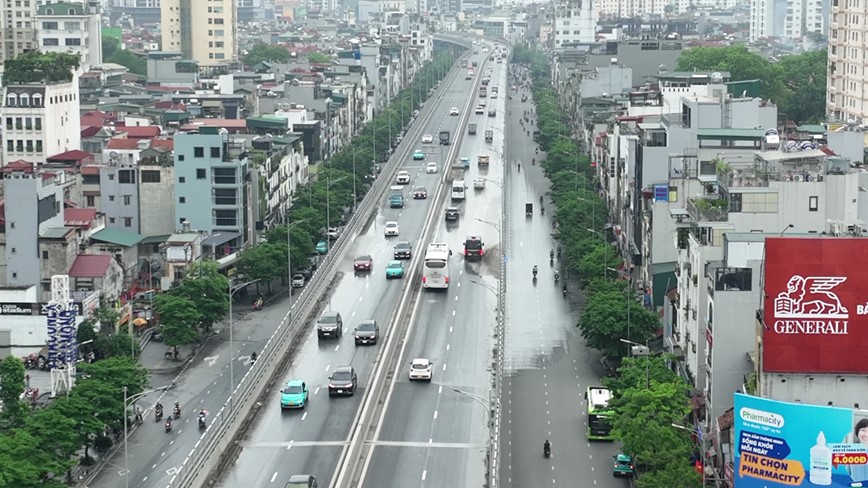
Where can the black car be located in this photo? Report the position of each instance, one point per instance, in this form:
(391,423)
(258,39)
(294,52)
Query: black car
(330,324)
(403,250)
(343,381)
(367,332)
(452,213)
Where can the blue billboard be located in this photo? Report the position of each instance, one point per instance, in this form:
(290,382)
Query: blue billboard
(779,444)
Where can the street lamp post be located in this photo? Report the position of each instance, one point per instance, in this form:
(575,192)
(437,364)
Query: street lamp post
(640,350)
(329,207)
(289,257)
(127,402)
(232,291)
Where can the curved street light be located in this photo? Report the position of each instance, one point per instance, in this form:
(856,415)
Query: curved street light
(127,402)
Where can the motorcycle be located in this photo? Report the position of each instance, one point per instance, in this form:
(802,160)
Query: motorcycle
(535,271)
(253,357)
(177,412)
(201,421)
(557,276)
(565,290)
(158,414)
(551,261)
(542,210)
(168,426)
(547,451)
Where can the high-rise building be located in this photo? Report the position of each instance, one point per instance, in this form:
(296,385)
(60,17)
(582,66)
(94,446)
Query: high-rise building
(574,23)
(67,27)
(18,28)
(202,31)
(40,120)
(791,19)
(846,81)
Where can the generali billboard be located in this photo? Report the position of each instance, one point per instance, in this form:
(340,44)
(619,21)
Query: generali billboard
(816,305)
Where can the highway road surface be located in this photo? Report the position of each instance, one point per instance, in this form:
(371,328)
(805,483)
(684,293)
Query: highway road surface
(310,441)
(548,368)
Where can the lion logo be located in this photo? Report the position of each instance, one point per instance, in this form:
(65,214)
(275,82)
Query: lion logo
(811,297)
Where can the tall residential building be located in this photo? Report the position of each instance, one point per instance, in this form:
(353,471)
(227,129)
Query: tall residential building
(202,31)
(18,28)
(67,27)
(212,185)
(846,85)
(40,120)
(790,19)
(574,23)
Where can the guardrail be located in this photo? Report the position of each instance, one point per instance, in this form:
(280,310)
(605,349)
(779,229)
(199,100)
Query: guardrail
(349,472)
(217,444)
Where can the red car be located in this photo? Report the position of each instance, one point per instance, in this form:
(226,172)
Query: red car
(363,263)
(420,192)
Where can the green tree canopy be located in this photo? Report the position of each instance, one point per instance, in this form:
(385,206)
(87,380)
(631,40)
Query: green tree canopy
(805,76)
(604,322)
(319,58)
(135,63)
(179,319)
(208,289)
(261,51)
(35,67)
(11,386)
(740,63)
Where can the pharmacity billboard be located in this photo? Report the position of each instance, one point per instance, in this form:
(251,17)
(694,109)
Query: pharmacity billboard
(780,444)
(815,305)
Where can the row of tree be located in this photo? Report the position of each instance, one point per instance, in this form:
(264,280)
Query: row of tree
(331,193)
(646,404)
(275,53)
(39,448)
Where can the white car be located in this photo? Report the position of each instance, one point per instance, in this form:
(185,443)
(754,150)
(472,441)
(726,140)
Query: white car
(427,139)
(479,183)
(421,369)
(453,110)
(391,228)
(402,178)
(431,168)
(480,110)
(297,280)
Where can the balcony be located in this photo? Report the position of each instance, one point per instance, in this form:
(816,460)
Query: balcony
(704,209)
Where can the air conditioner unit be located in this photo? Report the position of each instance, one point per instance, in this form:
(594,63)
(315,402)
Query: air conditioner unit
(812,176)
(798,178)
(835,228)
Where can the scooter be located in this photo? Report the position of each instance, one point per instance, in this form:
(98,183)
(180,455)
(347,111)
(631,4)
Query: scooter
(547,452)
(565,290)
(168,426)
(158,415)
(201,421)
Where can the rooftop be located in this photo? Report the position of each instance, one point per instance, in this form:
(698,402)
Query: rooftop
(78,217)
(90,266)
(118,236)
(56,232)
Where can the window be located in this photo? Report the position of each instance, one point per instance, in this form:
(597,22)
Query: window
(71,25)
(13,250)
(29,147)
(70,41)
(10,145)
(199,152)
(182,179)
(215,152)
(91,201)
(111,220)
(44,254)
(813,204)
(19,145)
(111,198)
(39,146)
(8,123)
(37,122)
(28,123)
(201,174)
(225,218)
(224,176)
(49,25)
(150,176)
(128,221)
(127,199)
(11,100)
(127,176)
(18,124)
(182,199)
(225,196)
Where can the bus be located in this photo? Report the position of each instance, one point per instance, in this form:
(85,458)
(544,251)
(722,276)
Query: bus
(435,269)
(600,415)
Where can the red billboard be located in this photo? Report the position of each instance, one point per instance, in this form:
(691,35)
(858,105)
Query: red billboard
(816,305)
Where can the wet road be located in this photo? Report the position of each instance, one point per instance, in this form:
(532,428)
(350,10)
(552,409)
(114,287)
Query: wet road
(155,456)
(436,435)
(547,365)
(310,441)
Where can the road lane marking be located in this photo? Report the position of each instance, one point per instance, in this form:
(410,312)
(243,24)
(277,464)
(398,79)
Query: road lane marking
(304,416)
(317,390)
(440,390)
(274,477)
(337,347)
(328,367)
(450,328)
(444,367)
(453,313)
(424,474)
(435,414)
(456,298)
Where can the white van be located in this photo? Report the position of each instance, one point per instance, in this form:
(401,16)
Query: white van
(458,190)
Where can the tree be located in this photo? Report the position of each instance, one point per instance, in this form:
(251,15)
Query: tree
(265,262)
(25,464)
(109,46)
(124,57)
(806,85)
(741,64)
(319,58)
(644,423)
(107,317)
(604,322)
(11,386)
(55,432)
(262,52)
(593,263)
(678,473)
(179,319)
(208,289)
(35,67)
(637,372)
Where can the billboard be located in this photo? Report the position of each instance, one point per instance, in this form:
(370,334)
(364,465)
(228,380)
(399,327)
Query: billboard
(815,305)
(779,444)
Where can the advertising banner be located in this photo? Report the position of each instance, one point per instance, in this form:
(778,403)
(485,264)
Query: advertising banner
(62,343)
(816,305)
(779,444)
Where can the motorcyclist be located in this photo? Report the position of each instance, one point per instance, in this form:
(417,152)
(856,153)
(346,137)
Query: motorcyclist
(533,161)
(542,210)
(168,424)
(540,199)
(559,251)
(177,410)
(253,357)
(201,417)
(519,167)
(557,275)
(547,448)
(565,289)
(535,270)
(552,254)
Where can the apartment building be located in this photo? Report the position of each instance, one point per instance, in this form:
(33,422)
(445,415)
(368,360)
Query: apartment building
(575,23)
(40,120)
(789,19)
(68,27)
(846,84)
(205,32)
(212,185)
(18,28)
